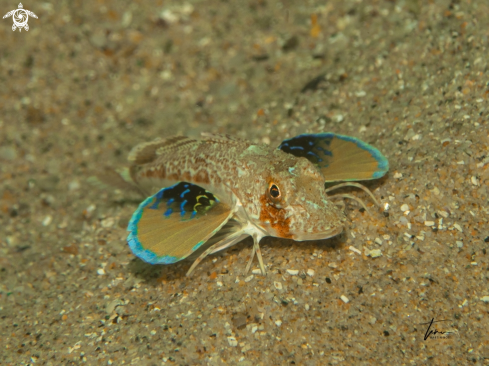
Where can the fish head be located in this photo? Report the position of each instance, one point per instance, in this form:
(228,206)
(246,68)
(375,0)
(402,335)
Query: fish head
(294,203)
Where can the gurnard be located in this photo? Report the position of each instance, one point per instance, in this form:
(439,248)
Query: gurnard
(217,190)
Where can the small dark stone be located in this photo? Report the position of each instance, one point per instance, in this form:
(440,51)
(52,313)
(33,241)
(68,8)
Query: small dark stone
(239,321)
(328,280)
(314,84)
(262,57)
(291,44)
(386,333)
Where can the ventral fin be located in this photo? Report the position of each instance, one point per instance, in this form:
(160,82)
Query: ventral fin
(339,157)
(170,225)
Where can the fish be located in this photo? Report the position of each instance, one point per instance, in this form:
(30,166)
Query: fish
(217,190)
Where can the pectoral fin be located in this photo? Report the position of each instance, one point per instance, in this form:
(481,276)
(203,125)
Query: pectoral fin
(340,158)
(170,225)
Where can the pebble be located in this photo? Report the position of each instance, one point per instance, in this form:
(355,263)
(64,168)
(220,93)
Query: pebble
(74,185)
(249,278)
(345,299)
(458,227)
(404,207)
(232,341)
(443,213)
(485,299)
(110,307)
(47,220)
(429,223)
(108,222)
(256,271)
(278,323)
(246,348)
(310,272)
(278,285)
(374,253)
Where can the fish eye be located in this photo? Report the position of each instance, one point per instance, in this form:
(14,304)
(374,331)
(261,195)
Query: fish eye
(274,192)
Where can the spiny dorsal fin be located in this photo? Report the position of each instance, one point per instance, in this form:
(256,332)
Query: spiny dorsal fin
(222,138)
(147,152)
(108,177)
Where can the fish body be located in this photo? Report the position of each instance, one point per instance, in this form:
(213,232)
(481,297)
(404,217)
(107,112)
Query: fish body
(221,189)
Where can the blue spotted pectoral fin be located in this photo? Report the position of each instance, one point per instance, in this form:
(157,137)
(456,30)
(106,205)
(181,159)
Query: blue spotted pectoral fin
(170,225)
(339,157)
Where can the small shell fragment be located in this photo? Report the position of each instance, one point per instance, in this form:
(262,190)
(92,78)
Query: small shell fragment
(293,272)
(429,223)
(232,341)
(353,249)
(310,272)
(278,285)
(345,299)
(485,299)
(249,278)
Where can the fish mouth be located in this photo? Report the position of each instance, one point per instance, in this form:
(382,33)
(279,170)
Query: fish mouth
(319,235)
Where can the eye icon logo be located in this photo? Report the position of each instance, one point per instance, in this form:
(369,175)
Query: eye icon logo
(20,17)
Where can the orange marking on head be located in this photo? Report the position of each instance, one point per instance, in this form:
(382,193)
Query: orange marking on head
(274,216)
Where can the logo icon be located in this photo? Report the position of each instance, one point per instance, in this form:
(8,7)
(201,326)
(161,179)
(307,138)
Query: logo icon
(20,17)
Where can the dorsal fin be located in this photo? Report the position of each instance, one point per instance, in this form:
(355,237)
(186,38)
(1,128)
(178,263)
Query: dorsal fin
(147,152)
(223,138)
